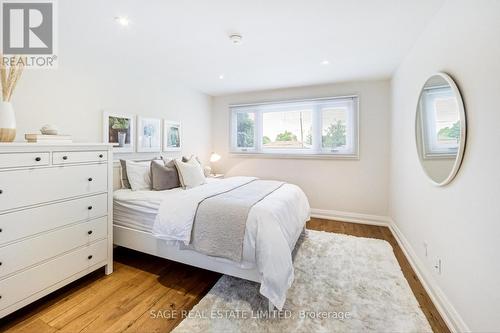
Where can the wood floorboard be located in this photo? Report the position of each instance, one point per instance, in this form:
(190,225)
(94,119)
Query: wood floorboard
(142,284)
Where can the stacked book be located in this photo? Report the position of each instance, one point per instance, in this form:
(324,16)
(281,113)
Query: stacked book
(44,138)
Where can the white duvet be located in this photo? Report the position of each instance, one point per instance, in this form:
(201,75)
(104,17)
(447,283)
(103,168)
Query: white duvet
(273,227)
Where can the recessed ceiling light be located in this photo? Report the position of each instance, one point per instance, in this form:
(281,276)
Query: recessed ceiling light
(325,62)
(122,20)
(237,39)
(221,77)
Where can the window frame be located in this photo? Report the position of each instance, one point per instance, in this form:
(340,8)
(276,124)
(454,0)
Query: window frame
(316,150)
(431,150)
(234,134)
(297,151)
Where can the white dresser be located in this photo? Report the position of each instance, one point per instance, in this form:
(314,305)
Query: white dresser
(55,218)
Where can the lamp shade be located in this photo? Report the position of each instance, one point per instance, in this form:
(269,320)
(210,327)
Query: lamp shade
(214,157)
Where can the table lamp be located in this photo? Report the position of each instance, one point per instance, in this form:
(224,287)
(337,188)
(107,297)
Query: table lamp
(214,157)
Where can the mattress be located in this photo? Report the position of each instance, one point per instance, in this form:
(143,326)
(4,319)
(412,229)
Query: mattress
(138,209)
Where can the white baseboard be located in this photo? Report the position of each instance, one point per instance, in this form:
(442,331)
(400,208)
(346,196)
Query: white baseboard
(351,217)
(447,311)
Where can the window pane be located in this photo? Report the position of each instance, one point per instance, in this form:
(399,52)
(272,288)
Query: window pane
(245,129)
(442,121)
(447,121)
(287,130)
(334,128)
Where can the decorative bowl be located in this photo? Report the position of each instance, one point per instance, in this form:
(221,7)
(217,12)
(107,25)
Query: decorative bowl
(49,130)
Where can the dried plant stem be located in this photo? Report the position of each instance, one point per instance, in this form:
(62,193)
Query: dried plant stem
(14,78)
(3,77)
(9,81)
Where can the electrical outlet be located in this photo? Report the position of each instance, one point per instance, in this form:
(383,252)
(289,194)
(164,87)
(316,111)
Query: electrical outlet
(438,266)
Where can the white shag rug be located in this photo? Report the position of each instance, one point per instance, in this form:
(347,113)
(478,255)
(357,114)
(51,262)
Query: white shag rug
(342,284)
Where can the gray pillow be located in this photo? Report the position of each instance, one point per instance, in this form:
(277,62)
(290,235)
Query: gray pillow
(187,159)
(124,177)
(164,177)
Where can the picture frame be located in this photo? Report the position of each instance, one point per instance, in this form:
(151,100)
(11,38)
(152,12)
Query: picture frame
(149,134)
(172,135)
(119,130)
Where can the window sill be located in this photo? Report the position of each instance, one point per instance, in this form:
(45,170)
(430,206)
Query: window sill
(297,156)
(438,156)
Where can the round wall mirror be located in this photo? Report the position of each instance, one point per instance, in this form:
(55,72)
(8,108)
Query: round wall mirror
(440,128)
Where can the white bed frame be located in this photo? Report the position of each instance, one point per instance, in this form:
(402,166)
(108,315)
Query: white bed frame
(145,242)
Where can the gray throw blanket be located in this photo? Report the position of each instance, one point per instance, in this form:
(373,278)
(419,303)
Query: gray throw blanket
(220,222)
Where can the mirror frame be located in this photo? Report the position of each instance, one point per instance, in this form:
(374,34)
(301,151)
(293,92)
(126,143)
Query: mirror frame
(463,129)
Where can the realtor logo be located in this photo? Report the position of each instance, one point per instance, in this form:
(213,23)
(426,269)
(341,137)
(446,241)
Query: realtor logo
(29,33)
(28,28)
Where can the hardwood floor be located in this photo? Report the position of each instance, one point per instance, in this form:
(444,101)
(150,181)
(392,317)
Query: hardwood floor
(122,301)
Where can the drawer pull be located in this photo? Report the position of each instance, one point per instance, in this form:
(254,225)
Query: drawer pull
(89,232)
(65,158)
(1,191)
(1,230)
(89,257)
(90,179)
(38,159)
(89,207)
(0,263)
(101,155)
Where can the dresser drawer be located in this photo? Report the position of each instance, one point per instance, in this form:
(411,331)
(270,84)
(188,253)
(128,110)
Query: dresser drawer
(25,223)
(31,251)
(79,157)
(19,188)
(17,160)
(20,286)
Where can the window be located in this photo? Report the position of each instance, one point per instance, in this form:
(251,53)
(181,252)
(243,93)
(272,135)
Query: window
(245,127)
(327,126)
(287,130)
(442,123)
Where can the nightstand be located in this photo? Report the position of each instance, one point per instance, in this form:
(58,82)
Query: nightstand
(217,175)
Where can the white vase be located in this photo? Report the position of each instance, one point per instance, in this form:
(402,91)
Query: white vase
(122,136)
(7,122)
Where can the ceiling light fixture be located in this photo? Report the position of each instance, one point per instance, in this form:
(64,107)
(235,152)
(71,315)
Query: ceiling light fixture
(122,20)
(325,62)
(236,39)
(221,77)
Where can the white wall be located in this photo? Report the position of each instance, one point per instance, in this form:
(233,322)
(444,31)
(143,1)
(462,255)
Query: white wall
(74,95)
(342,185)
(104,66)
(461,221)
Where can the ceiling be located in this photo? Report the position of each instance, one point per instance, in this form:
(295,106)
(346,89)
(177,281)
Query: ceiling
(284,41)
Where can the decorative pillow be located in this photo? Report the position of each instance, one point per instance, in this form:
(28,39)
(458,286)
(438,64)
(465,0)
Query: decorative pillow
(190,173)
(123,174)
(139,175)
(164,177)
(187,159)
(123,171)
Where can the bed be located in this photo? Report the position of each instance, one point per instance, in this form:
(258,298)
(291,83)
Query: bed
(272,229)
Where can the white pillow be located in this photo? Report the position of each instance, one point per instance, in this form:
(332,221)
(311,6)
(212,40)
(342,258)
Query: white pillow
(139,175)
(190,173)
